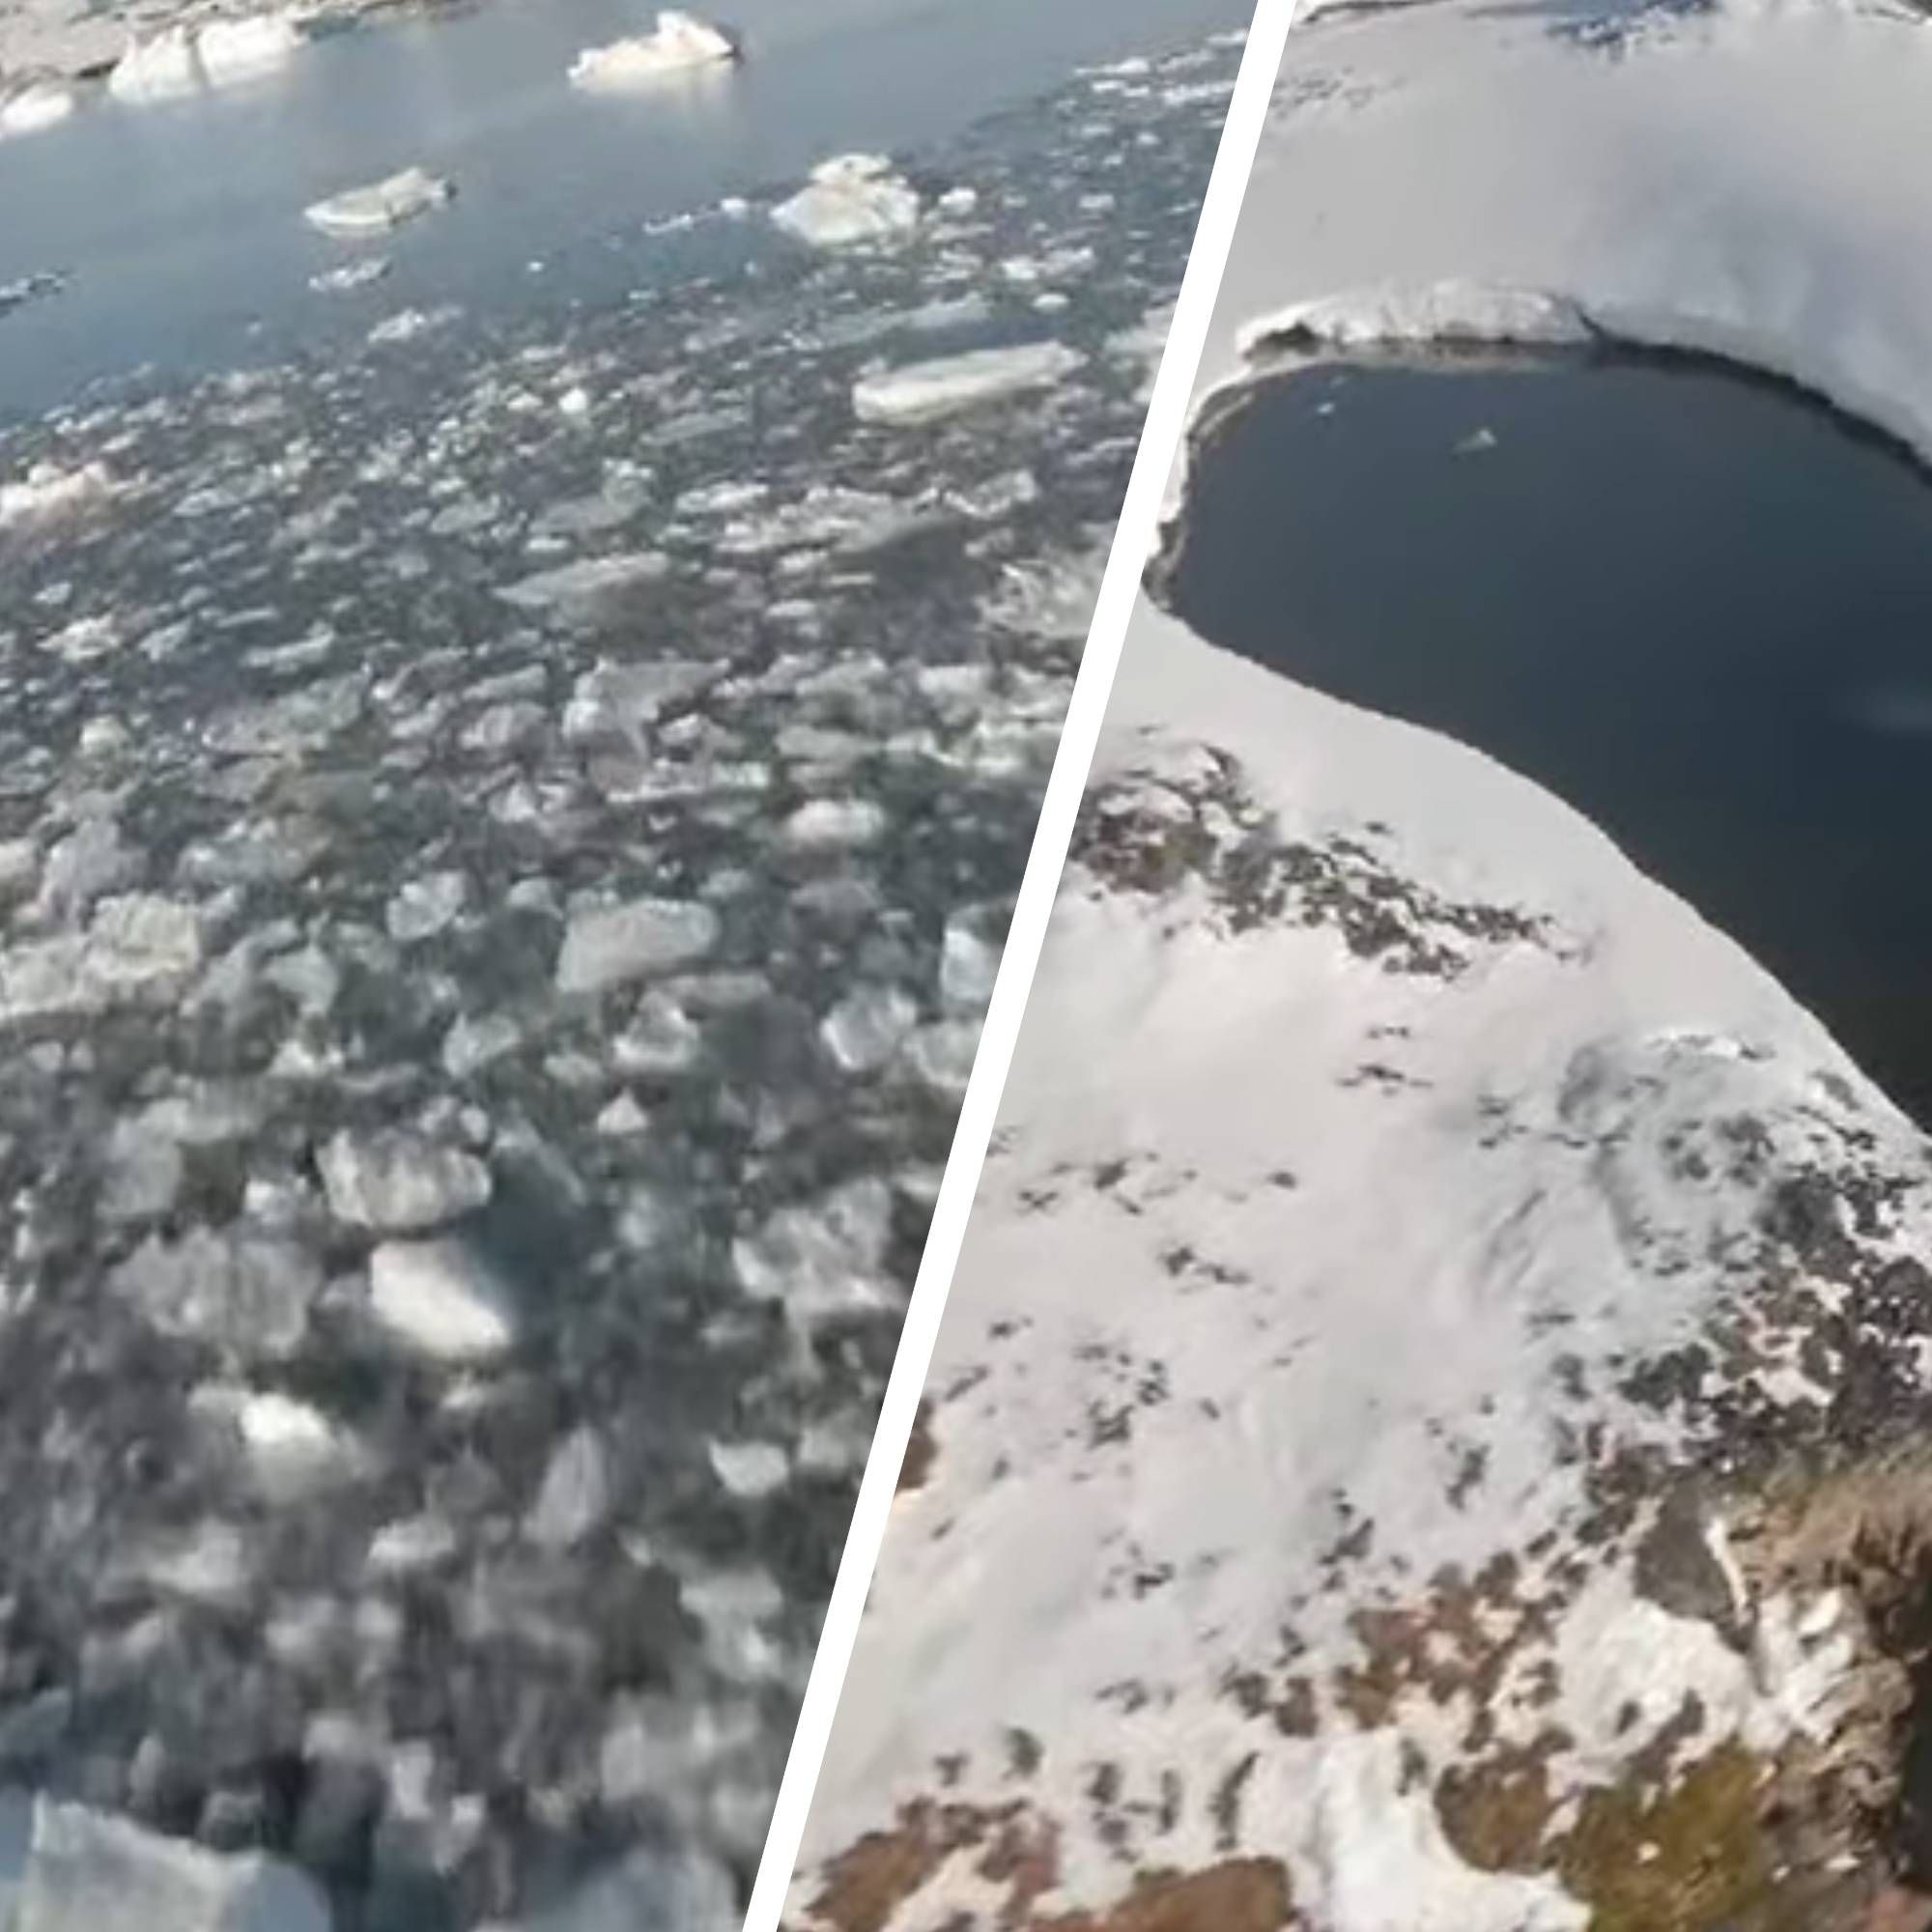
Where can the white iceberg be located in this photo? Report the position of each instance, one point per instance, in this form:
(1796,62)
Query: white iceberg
(161,68)
(849,199)
(679,44)
(924,391)
(383,205)
(35,107)
(233,51)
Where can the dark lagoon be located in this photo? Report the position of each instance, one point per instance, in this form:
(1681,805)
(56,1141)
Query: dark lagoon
(1695,605)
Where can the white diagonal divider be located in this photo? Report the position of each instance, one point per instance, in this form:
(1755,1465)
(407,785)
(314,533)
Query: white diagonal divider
(1134,537)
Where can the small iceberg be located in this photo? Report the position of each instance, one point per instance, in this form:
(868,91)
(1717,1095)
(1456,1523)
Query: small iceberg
(235,51)
(383,205)
(848,199)
(35,107)
(680,42)
(161,68)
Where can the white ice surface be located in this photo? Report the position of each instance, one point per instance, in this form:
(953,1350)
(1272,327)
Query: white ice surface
(162,68)
(381,206)
(1339,1285)
(920,392)
(35,107)
(234,51)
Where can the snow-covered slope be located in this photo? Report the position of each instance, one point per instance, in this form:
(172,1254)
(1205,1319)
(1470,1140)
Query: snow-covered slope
(1428,1428)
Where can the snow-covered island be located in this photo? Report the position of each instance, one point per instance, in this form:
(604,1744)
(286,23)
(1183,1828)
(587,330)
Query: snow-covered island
(1431,1428)
(679,44)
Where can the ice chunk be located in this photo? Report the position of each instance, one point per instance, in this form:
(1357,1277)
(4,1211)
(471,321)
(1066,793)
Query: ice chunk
(615,701)
(865,1029)
(831,823)
(86,1871)
(472,1044)
(35,107)
(161,68)
(942,1056)
(679,44)
(575,1494)
(424,907)
(921,392)
(410,1544)
(750,1470)
(291,1446)
(47,490)
(85,866)
(849,199)
(137,949)
(351,275)
(383,205)
(825,1258)
(234,51)
(586,583)
(399,1182)
(407,323)
(969,962)
(608,946)
(235,1290)
(442,1297)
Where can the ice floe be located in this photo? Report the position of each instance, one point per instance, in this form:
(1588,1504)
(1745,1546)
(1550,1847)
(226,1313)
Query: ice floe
(679,44)
(921,393)
(442,1297)
(848,200)
(383,205)
(605,946)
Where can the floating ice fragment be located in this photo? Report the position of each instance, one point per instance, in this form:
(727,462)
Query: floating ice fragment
(397,1182)
(440,1297)
(864,1031)
(238,1289)
(587,582)
(291,1446)
(35,107)
(139,948)
(424,907)
(47,490)
(623,1119)
(574,1496)
(383,205)
(750,1470)
(607,946)
(575,402)
(1477,442)
(410,1544)
(825,1258)
(849,199)
(942,1056)
(472,1044)
(969,963)
(407,323)
(161,68)
(679,44)
(958,201)
(351,275)
(921,392)
(832,823)
(234,51)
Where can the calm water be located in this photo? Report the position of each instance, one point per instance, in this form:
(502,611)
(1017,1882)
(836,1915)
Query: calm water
(181,223)
(1697,606)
